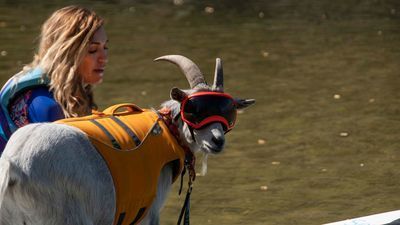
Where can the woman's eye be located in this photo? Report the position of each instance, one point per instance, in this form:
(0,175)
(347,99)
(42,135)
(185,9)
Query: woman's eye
(92,51)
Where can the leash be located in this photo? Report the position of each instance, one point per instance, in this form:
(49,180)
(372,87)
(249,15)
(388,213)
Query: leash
(189,165)
(185,211)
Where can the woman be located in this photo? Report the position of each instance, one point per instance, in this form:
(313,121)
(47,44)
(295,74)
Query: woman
(58,83)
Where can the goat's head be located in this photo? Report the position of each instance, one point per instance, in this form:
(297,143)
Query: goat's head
(203,114)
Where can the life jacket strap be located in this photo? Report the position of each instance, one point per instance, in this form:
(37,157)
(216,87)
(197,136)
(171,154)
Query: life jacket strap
(128,130)
(114,142)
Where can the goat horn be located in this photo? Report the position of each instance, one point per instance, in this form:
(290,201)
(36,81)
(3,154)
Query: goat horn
(188,67)
(218,76)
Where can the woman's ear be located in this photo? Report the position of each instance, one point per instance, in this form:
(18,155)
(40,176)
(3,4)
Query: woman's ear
(177,94)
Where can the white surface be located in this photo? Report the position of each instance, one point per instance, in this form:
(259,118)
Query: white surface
(376,219)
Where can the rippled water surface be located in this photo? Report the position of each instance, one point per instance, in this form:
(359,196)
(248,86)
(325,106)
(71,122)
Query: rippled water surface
(322,142)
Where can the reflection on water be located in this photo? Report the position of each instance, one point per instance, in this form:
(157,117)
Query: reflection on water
(286,161)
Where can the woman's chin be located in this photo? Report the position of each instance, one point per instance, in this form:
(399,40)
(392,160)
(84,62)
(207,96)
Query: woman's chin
(97,80)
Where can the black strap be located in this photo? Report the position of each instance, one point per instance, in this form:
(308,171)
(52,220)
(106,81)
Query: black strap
(192,133)
(109,135)
(185,211)
(128,130)
(121,218)
(138,215)
(182,175)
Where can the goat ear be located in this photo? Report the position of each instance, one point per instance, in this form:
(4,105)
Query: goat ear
(177,94)
(243,103)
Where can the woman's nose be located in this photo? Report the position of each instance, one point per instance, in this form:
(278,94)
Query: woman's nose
(103,58)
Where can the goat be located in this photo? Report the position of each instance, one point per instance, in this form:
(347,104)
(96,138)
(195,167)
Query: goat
(51,173)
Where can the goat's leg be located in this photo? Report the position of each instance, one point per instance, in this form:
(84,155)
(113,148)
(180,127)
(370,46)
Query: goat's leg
(163,188)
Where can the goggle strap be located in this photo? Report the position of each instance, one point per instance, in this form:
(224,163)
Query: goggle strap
(192,133)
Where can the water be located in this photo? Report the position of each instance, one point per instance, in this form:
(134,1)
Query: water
(320,145)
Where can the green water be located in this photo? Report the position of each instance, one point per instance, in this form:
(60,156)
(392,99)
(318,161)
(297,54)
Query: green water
(320,158)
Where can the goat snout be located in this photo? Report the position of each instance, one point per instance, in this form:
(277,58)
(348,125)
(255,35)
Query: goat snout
(219,142)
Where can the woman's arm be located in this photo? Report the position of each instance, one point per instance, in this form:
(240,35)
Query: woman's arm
(42,107)
(34,106)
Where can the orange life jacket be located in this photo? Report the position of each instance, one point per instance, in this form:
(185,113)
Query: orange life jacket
(136,144)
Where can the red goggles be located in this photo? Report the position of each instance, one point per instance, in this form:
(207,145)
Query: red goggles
(202,108)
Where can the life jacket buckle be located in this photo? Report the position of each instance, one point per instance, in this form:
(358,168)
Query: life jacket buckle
(156,130)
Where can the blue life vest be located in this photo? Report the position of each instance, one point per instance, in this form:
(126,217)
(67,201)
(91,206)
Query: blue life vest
(33,78)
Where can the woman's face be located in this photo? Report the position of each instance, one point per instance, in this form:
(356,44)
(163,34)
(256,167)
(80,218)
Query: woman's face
(94,62)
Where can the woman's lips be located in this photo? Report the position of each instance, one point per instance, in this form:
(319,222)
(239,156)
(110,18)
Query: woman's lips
(99,70)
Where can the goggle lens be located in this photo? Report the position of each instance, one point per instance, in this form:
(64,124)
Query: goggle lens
(200,110)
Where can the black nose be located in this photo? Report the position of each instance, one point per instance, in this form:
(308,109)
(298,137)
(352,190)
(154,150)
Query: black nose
(219,142)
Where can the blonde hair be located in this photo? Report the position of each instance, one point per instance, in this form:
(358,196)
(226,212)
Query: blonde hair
(64,41)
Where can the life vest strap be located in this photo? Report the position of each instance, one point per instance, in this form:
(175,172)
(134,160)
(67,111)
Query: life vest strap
(114,142)
(128,130)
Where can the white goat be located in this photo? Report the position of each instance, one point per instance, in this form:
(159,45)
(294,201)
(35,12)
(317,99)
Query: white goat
(51,174)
